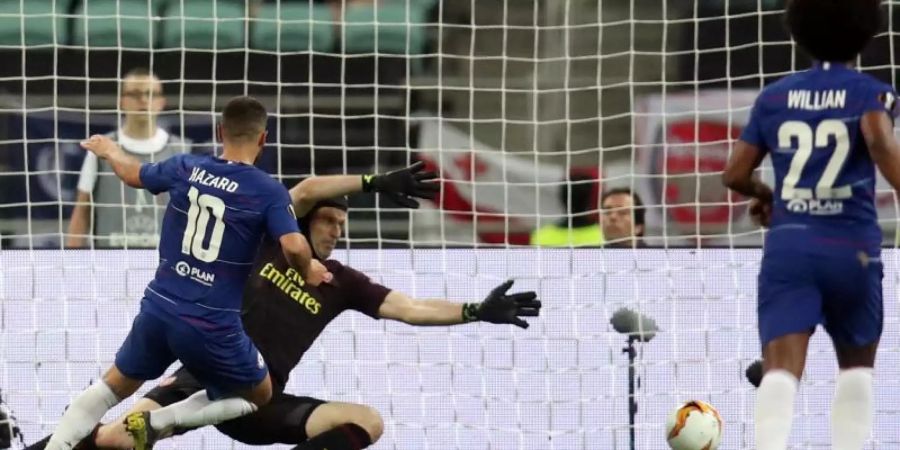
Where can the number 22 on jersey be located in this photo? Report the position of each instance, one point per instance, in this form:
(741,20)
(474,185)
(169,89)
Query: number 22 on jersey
(807,140)
(197,224)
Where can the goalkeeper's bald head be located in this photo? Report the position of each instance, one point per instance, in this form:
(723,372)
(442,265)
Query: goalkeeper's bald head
(833,30)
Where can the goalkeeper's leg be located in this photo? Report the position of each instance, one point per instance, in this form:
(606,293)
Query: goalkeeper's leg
(309,422)
(342,426)
(288,420)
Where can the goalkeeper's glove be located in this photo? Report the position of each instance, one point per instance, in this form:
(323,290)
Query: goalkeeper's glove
(498,307)
(403,185)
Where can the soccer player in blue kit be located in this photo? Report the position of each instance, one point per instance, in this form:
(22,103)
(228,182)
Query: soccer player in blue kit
(218,212)
(825,129)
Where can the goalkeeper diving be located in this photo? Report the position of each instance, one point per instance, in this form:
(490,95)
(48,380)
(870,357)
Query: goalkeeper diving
(283,316)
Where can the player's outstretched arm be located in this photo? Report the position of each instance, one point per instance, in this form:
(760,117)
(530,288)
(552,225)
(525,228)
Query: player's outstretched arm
(878,131)
(403,186)
(126,167)
(299,255)
(497,307)
(313,189)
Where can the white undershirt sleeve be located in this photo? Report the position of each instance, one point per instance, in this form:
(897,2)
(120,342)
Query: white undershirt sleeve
(88,177)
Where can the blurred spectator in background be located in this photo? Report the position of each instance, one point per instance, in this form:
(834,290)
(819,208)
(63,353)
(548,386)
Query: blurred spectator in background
(580,227)
(107,211)
(622,218)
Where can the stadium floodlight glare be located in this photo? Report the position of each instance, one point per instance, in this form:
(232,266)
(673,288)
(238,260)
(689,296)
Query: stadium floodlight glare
(637,328)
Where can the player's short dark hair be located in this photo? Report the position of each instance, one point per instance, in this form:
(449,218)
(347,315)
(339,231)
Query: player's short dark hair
(637,204)
(579,194)
(243,118)
(833,30)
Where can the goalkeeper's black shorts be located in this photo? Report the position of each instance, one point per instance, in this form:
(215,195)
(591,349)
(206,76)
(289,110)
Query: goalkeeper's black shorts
(281,421)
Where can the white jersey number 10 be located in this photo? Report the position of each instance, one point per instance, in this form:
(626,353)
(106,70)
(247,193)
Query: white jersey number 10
(197,221)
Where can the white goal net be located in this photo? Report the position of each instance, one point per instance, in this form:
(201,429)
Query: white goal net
(511,101)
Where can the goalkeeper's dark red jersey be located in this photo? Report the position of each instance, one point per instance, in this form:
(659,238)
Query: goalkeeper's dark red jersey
(284,316)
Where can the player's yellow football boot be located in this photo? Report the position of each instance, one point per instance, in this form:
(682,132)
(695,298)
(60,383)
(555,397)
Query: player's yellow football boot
(138,426)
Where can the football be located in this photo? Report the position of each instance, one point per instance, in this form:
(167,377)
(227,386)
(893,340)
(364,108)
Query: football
(695,425)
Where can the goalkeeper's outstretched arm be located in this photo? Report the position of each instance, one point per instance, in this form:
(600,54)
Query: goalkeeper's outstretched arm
(497,307)
(401,185)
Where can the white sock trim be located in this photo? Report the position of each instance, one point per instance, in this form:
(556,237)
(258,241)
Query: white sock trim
(856,374)
(783,375)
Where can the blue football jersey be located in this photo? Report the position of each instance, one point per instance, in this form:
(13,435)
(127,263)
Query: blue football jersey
(217,214)
(809,122)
